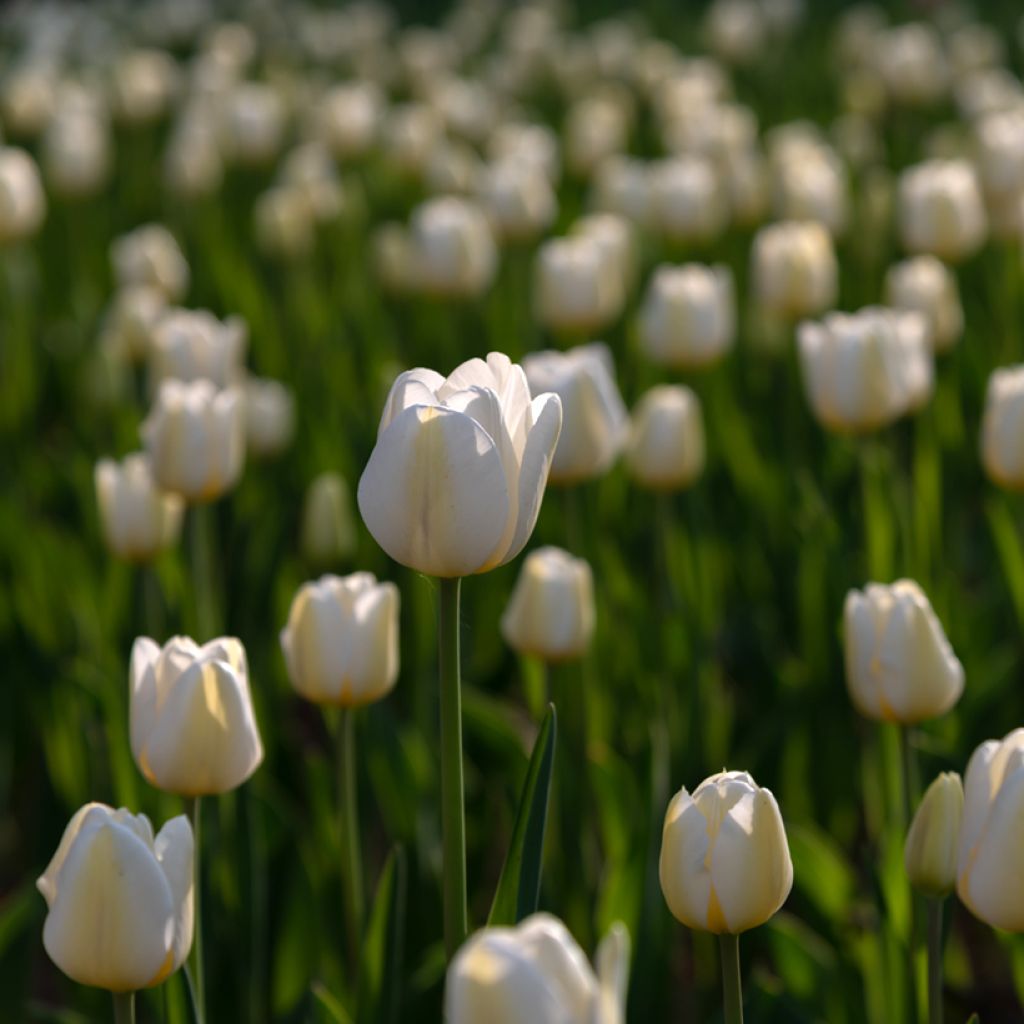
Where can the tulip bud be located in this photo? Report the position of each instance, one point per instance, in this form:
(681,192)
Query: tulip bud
(119,900)
(138,519)
(341,641)
(596,127)
(193,729)
(794,269)
(550,614)
(911,63)
(991,841)
(899,665)
(150,256)
(195,438)
(536,972)
(614,237)
(193,163)
(863,370)
(348,118)
(1000,144)
(22,200)
(941,210)
(144,83)
(665,450)
(925,285)
(687,201)
(531,144)
(813,187)
(725,864)
(76,153)
(453,251)
(518,199)
(1002,428)
(934,837)
(577,288)
(130,321)
(309,171)
(455,481)
(688,316)
(190,345)
(30,96)
(283,223)
(594,418)
(622,186)
(253,123)
(269,416)
(410,133)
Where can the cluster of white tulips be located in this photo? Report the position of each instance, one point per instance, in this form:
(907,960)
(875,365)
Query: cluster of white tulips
(601,239)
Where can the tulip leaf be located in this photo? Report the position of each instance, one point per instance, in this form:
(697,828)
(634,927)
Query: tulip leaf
(381,966)
(518,891)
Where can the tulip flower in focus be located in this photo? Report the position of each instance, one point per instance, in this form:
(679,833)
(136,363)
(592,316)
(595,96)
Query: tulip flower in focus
(192,344)
(537,972)
(193,729)
(688,315)
(455,481)
(22,200)
(665,449)
(863,370)
(725,864)
(341,641)
(941,210)
(1002,428)
(269,416)
(577,290)
(594,418)
(550,614)
(195,438)
(932,845)
(138,519)
(925,285)
(149,255)
(794,269)
(899,665)
(453,250)
(328,529)
(119,899)
(989,880)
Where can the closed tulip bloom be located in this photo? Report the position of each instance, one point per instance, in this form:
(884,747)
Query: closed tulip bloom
(518,199)
(1000,145)
(794,269)
(622,185)
(687,201)
(456,478)
(269,416)
(22,200)
(688,315)
(341,641)
(193,344)
(615,237)
(596,127)
(328,529)
(899,665)
(989,880)
(195,438)
(536,972)
(119,899)
(863,370)
(665,450)
(193,730)
(130,321)
(911,63)
(725,864)
(925,285)
(283,222)
(1002,428)
(453,250)
(941,210)
(550,614)
(150,255)
(76,153)
(594,417)
(576,288)
(138,519)
(348,118)
(533,144)
(144,82)
(193,163)
(813,188)
(930,853)
(253,123)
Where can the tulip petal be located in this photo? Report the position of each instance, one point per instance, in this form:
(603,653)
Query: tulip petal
(175,852)
(414,387)
(682,866)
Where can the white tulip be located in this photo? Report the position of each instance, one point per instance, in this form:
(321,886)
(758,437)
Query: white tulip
(191,345)
(794,269)
(144,84)
(151,256)
(596,127)
(195,438)
(1002,428)
(283,222)
(269,416)
(536,972)
(899,665)
(348,118)
(622,185)
(22,200)
(532,144)
(687,201)
(193,164)
(911,63)
(991,842)
(813,187)
(392,257)
(665,450)
(76,153)
(615,238)
(594,418)
(941,209)
(725,864)
(518,199)
(930,852)
(577,288)
(924,284)
(119,899)
(455,481)
(138,519)
(550,614)
(341,641)
(193,729)
(410,134)
(453,249)
(130,320)
(1000,145)
(253,122)
(688,315)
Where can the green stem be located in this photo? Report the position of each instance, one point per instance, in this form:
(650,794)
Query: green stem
(124,1007)
(350,824)
(935,960)
(732,989)
(453,812)
(571,517)
(151,605)
(197,988)
(907,773)
(664,514)
(203,544)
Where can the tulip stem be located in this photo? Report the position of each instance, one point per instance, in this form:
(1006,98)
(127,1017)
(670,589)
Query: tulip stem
(935,960)
(732,988)
(124,1008)
(453,812)
(350,824)
(907,772)
(195,966)
(202,544)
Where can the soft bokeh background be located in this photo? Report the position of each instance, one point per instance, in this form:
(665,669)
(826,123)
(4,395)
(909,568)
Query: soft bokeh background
(725,651)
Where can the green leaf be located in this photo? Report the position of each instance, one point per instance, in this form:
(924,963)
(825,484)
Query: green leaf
(380,970)
(518,889)
(335,1011)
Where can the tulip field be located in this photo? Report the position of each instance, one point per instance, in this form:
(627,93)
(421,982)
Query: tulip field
(511,513)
